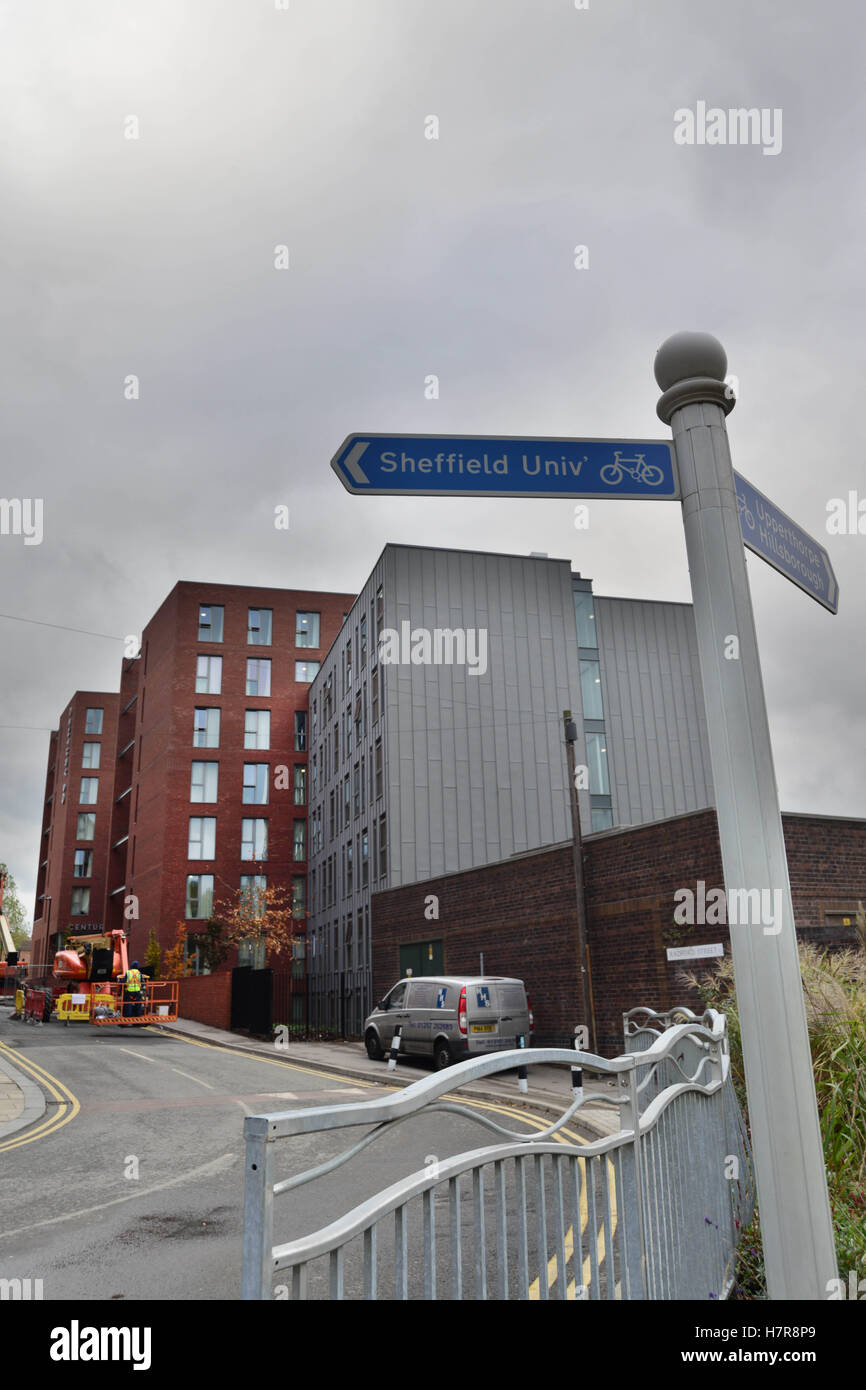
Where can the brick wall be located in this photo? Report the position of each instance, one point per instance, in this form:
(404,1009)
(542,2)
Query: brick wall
(206,999)
(520,913)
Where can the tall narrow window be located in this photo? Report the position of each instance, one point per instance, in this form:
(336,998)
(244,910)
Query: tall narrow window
(259,622)
(300,784)
(86,826)
(307,630)
(256,783)
(199,896)
(206,728)
(257,728)
(89,791)
(590,689)
(79,904)
(210,622)
(347,800)
(365,859)
(362,637)
(299,841)
(202,837)
(378,765)
(374,695)
(253,890)
(83,863)
(92,722)
(300,731)
(305,671)
(383,847)
(299,897)
(204,781)
(258,675)
(254,839)
(208,675)
(90,755)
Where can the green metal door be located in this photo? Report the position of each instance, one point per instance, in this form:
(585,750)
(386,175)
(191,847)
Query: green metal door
(422,958)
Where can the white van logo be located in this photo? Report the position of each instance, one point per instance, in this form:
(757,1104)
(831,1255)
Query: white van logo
(440,997)
(482,995)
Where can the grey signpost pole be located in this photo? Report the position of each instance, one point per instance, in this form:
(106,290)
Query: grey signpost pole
(796,1225)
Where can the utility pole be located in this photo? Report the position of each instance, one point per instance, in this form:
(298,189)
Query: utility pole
(570,731)
(796,1226)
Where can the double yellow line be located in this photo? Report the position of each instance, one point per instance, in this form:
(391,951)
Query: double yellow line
(67,1104)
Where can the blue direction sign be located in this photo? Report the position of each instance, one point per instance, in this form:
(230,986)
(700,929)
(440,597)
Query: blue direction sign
(490,466)
(786,546)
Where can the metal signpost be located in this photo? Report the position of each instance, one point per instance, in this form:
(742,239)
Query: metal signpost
(721,514)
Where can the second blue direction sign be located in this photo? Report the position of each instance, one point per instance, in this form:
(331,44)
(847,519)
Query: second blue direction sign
(485,466)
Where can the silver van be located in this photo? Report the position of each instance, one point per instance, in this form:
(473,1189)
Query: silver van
(450,1017)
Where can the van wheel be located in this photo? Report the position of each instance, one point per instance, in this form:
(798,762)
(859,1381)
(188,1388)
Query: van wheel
(442,1057)
(374,1047)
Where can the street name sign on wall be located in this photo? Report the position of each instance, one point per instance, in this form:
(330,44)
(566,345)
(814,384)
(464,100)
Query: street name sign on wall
(786,546)
(715,948)
(473,465)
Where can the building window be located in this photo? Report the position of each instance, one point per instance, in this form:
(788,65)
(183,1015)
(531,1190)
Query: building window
(363,783)
(378,768)
(258,676)
(314,775)
(259,627)
(253,890)
(347,668)
(359,704)
(307,630)
(363,640)
(206,728)
(254,839)
(299,841)
(350,887)
(584,614)
(86,827)
(365,859)
(92,722)
(83,863)
(299,897)
(203,782)
(199,896)
(380,613)
(300,731)
(306,670)
(596,757)
(331,826)
(374,695)
(80,902)
(347,799)
(252,952)
(315,708)
(602,818)
(90,755)
(348,732)
(202,837)
(590,690)
(383,847)
(256,783)
(356,789)
(300,784)
(336,744)
(208,675)
(210,622)
(89,791)
(257,728)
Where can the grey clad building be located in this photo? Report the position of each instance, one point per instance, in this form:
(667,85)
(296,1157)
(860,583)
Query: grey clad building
(436,735)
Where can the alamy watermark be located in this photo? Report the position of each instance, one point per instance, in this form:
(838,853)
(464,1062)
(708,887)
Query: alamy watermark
(438,646)
(22,516)
(713,125)
(755,907)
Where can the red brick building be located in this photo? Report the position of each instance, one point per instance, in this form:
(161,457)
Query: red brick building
(203,772)
(76,820)
(521,913)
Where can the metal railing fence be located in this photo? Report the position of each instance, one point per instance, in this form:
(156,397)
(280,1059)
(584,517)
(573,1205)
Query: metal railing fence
(653,1211)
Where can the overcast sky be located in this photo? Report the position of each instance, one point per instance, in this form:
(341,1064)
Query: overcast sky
(304,126)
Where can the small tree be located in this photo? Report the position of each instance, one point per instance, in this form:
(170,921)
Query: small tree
(12,907)
(153,955)
(177,967)
(266,915)
(212,944)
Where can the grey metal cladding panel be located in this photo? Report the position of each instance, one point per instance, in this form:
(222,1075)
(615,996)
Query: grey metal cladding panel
(654,706)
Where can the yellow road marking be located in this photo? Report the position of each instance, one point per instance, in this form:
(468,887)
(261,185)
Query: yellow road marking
(68,1104)
(586,1271)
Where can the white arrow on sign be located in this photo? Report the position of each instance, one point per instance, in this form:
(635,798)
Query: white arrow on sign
(350,462)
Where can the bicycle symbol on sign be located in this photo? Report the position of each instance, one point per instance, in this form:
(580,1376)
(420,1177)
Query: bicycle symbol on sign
(636,468)
(745,514)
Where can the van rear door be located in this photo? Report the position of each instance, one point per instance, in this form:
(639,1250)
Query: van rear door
(482,1010)
(513,1013)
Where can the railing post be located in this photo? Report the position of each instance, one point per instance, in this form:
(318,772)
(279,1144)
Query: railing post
(258,1235)
(630,1218)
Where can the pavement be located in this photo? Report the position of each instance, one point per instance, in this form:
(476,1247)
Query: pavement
(21,1101)
(549,1091)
